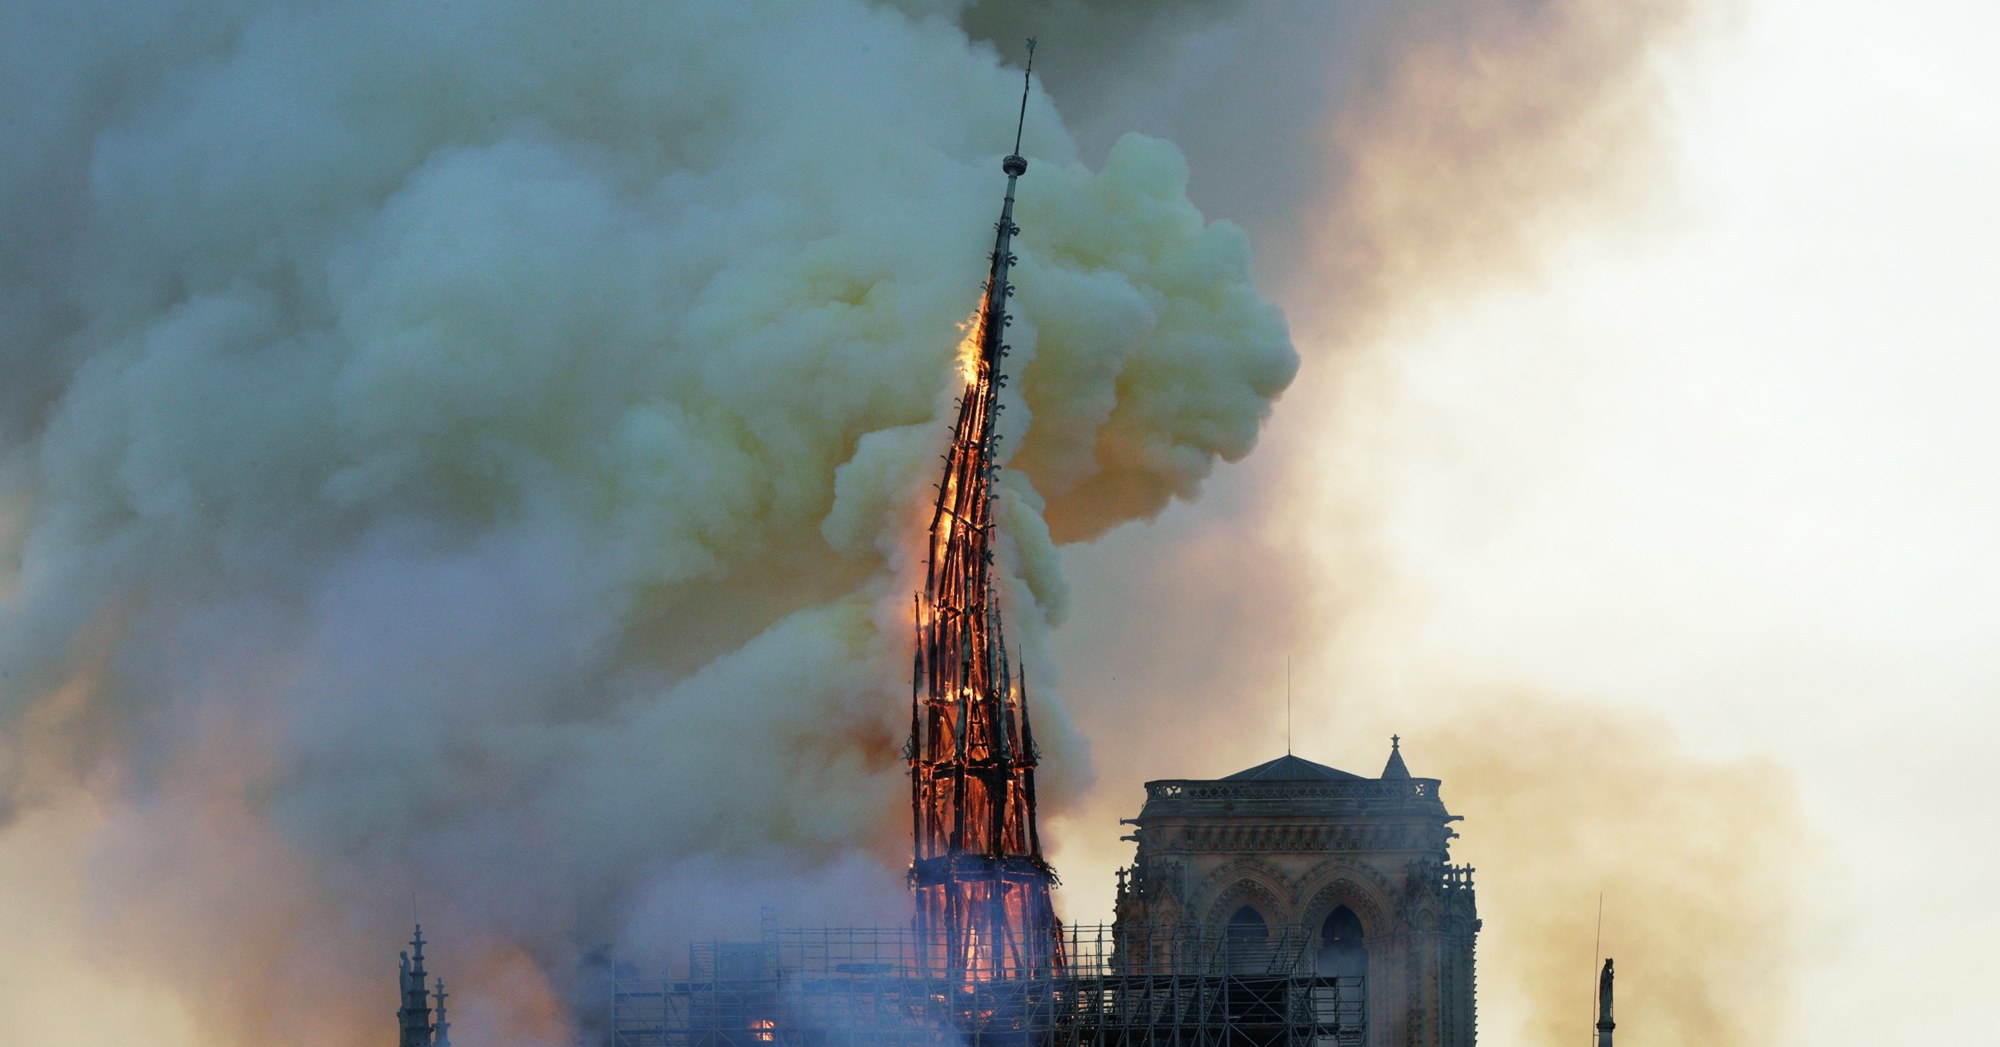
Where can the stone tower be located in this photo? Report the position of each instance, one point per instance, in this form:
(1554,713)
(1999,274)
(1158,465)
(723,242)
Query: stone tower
(1291,863)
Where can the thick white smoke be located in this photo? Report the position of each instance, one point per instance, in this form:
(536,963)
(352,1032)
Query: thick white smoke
(477,452)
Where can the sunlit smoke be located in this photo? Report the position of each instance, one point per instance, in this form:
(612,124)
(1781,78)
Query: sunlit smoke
(1697,861)
(1498,128)
(1459,144)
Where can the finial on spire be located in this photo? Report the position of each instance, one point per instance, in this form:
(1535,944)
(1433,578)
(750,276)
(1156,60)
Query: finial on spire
(1015,164)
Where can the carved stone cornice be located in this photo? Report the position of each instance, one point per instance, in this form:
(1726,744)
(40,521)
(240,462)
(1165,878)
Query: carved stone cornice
(1303,836)
(1184,797)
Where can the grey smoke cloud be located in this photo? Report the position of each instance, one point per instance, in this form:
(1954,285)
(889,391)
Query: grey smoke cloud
(480,453)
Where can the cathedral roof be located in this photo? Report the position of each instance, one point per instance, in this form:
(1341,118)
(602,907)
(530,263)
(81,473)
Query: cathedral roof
(1289,768)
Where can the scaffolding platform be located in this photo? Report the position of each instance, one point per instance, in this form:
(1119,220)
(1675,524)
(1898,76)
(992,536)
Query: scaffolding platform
(848,987)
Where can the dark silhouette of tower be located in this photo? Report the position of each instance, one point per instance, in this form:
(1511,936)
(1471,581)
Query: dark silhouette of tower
(1604,1023)
(414,1018)
(441,1035)
(982,888)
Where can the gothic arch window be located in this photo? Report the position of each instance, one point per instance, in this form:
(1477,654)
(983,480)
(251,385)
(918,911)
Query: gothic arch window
(1248,941)
(1340,998)
(1360,888)
(1247,925)
(1341,952)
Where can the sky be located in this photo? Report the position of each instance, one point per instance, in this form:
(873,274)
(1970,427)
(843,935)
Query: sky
(409,489)
(1720,460)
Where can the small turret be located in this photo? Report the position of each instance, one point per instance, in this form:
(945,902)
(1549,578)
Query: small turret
(441,1037)
(1395,770)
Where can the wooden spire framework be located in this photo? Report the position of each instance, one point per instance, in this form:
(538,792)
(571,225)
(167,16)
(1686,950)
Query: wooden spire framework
(982,888)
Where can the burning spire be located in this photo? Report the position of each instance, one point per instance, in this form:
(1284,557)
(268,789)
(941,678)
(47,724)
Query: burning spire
(982,887)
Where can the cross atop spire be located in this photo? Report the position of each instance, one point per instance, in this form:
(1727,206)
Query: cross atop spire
(1023,121)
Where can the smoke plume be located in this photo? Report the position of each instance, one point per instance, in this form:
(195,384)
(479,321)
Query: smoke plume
(1697,861)
(1495,131)
(479,454)
(1436,152)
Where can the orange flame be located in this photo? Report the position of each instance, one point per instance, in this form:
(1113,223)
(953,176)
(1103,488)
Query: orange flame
(982,887)
(974,328)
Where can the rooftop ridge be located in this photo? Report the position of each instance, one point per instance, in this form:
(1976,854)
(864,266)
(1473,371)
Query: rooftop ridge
(1289,768)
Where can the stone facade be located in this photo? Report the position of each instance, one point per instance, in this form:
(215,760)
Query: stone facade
(1289,863)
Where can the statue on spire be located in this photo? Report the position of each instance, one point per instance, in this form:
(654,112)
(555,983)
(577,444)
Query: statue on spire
(1604,1023)
(983,905)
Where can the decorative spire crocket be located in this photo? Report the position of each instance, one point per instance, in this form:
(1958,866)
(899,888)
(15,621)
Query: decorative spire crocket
(983,903)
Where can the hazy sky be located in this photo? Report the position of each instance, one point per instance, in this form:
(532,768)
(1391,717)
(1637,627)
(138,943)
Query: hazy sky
(1723,457)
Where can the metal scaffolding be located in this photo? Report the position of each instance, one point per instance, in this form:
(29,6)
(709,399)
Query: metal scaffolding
(847,987)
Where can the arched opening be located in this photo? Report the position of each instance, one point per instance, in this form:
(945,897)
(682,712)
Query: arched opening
(1340,1000)
(1248,939)
(1341,954)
